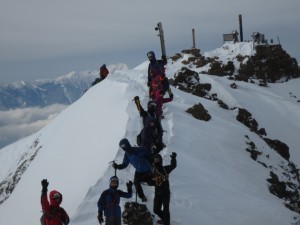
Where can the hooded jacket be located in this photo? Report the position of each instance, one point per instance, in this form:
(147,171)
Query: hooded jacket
(54,214)
(149,134)
(103,72)
(150,113)
(136,156)
(156,67)
(109,202)
(161,175)
(160,100)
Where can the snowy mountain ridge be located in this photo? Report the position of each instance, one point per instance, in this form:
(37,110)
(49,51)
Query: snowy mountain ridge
(226,168)
(65,89)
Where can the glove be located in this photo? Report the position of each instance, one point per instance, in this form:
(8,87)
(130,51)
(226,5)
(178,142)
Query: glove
(100,219)
(45,184)
(115,165)
(129,186)
(171,95)
(163,57)
(136,98)
(173,156)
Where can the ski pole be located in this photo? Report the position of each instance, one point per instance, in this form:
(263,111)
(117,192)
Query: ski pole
(136,196)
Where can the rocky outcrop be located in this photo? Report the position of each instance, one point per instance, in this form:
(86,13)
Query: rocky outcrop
(270,64)
(199,112)
(188,80)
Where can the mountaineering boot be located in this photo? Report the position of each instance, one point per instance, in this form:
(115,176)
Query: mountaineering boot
(144,199)
(160,221)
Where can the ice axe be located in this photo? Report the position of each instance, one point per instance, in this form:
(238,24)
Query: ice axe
(113,162)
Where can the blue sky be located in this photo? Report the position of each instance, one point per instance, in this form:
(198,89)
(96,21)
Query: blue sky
(46,39)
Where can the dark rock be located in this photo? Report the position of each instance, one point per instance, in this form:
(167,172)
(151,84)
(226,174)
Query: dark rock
(223,105)
(176,57)
(245,118)
(233,85)
(276,187)
(241,77)
(270,63)
(262,132)
(188,80)
(199,112)
(229,68)
(216,69)
(254,153)
(280,147)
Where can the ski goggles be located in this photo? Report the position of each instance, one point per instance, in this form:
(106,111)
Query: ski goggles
(56,196)
(152,105)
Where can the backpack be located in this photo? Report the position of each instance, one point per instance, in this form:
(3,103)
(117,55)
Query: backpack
(64,220)
(42,219)
(139,139)
(137,214)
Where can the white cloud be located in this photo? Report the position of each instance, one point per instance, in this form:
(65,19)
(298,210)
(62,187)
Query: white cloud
(20,123)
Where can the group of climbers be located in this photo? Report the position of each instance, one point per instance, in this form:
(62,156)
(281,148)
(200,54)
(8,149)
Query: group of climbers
(145,158)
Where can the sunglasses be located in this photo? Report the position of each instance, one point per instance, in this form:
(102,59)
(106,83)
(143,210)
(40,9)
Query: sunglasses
(152,105)
(56,195)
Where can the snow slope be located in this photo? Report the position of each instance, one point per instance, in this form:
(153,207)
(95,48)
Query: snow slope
(215,182)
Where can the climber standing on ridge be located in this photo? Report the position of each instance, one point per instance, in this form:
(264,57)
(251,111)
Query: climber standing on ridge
(156,74)
(103,72)
(109,202)
(162,192)
(160,100)
(151,113)
(53,214)
(138,158)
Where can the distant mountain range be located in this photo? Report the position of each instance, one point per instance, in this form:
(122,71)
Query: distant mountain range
(62,90)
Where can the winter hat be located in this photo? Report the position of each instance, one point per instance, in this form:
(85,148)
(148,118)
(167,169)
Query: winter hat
(53,195)
(114,179)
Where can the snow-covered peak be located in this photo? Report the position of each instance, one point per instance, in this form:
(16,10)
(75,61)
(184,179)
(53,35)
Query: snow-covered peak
(217,181)
(230,50)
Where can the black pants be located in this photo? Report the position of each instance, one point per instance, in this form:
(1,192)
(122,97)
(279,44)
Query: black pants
(141,177)
(160,201)
(113,221)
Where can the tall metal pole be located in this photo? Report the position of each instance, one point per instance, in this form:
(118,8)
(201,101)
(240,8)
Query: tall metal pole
(193,33)
(241,28)
(162,39)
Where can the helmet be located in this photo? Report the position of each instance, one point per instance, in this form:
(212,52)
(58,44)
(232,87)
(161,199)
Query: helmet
(114,179)
(151,55)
